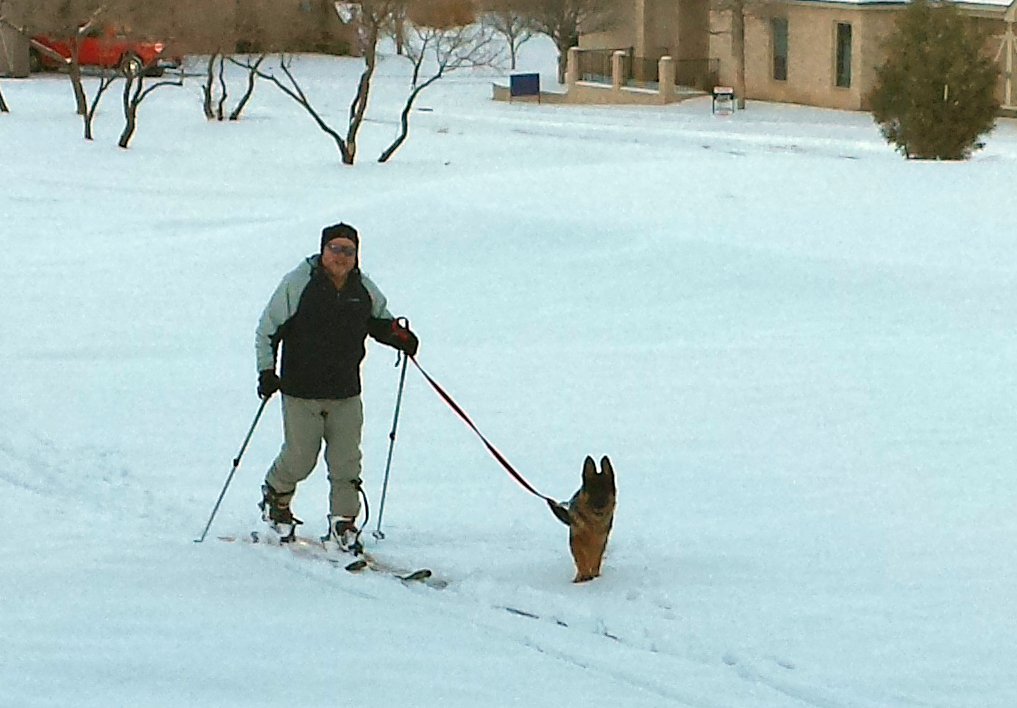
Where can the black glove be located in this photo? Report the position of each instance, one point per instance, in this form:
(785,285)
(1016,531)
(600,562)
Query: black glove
(268,383)
(405,340)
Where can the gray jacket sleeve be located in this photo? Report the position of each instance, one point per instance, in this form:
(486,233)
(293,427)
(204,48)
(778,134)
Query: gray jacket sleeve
(379,304)
(279,310)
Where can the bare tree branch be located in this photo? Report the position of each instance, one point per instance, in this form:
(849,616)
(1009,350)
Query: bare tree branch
(252,73)
(515,26)
(446,50)
(105,81)
(220,112)
(208,88)
(134,94)
(294,91)
(81,98)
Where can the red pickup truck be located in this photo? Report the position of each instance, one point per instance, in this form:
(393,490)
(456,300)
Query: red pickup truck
(106,47)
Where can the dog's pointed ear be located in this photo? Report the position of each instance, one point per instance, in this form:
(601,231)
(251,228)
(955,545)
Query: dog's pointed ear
(589,469)
(607,469)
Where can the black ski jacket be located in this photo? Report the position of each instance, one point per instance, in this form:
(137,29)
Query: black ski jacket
(322,331)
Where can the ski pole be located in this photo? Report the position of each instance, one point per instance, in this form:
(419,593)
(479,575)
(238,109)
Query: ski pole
(236,463)
(391,444)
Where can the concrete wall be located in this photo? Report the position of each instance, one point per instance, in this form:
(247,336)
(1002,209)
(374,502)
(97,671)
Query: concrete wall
(583,92)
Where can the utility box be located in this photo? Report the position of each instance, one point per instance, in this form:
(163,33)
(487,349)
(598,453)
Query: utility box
(524,85)
(723,100)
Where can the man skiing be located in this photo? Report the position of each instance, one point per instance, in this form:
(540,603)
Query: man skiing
(321,313)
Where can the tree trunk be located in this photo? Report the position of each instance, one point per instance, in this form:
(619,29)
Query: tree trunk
(80,99)
(130,110)
(220,111)
(359,107)
(207,88)
(405,120)
(566,40)
(738,49)
(105,81)
(252,74)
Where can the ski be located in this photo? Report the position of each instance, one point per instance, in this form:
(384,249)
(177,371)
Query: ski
(369,562)
(309,547)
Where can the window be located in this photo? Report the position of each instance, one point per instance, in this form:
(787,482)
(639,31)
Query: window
(778,28)
(844,54)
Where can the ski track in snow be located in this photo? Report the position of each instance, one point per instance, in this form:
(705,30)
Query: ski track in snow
(85,476)
(547,623)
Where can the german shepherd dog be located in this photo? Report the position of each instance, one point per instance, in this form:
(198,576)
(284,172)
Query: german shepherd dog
(589,515)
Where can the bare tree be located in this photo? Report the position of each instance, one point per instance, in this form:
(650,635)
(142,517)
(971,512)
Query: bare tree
(252,74)
(371,18)
(74,66)
(514,25)
(73,20)
(84,108)
(444,49)
(134,93)
(291,87)
(397,28)
(76,19)
(564,20)
(105,81)
(214,102)
(208,89)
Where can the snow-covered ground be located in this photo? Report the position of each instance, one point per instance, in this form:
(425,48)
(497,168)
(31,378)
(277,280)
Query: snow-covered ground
(799,350)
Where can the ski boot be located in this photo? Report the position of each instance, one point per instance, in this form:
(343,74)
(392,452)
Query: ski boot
(343,535)
(275,511)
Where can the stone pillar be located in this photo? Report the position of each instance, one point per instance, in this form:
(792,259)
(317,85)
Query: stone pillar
(665,73)
(642,20)
(13,46)
(572,68)
(617,70)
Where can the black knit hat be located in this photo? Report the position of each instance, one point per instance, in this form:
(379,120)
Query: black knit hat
(340,230)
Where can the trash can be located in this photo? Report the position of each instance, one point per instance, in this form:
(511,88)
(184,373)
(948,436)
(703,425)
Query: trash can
(723,100)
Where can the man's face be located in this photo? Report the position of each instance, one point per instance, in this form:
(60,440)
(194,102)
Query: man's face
(339,257)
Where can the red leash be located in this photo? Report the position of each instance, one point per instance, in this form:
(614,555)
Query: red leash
(556,506)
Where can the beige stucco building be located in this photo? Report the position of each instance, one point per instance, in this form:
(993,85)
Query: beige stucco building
(815,52)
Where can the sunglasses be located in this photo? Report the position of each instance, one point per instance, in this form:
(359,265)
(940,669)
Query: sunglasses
(341,249)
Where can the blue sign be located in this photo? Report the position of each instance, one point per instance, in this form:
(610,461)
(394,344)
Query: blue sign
(524,85)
